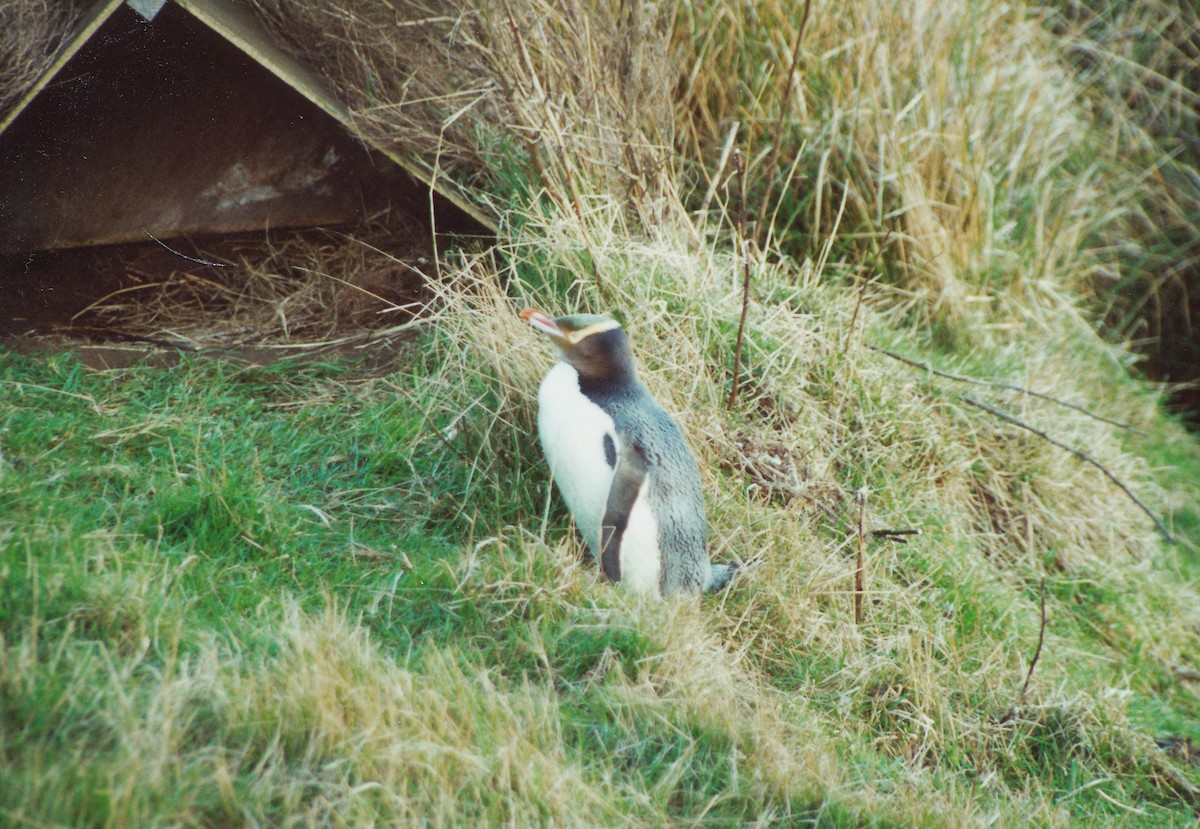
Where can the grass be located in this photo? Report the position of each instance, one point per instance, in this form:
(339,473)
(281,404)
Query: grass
(32,32)
(318,594)
(302,594)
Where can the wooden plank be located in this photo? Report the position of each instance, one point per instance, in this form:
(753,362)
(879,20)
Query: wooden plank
(92,20)
(234,21)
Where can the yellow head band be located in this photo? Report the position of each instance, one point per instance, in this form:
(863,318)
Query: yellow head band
(576,337)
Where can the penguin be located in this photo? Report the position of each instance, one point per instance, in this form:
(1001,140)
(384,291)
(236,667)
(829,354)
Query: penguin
(621,463)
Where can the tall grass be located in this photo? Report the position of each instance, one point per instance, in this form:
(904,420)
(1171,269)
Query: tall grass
(992,162)
(1139,67)
(940,144)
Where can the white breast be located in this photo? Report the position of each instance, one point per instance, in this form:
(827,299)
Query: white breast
(572,430)
(640,558)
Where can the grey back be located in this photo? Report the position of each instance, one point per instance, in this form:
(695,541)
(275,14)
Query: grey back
(674,492)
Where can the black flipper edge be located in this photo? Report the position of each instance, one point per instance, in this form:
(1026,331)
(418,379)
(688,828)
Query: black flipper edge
(627,483)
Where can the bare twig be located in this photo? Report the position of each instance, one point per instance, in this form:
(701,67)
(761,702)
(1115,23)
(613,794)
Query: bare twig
(783,109)
(861,498)
(167,247)
(739,171)
(1008,386)
(1081,455)
(899,536)
(854,318)
(1037,654)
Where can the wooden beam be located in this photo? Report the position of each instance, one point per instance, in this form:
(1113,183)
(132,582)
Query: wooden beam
(92,20)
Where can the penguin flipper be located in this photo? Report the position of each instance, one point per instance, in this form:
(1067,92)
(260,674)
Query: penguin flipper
(628,479)
(719,575)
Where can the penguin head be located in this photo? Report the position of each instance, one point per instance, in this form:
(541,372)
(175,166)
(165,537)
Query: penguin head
(595,346)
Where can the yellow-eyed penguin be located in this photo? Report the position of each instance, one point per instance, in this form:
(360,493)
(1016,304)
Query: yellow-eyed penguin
(621,463)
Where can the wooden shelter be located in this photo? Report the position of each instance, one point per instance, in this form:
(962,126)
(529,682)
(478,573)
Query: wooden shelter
(164,119)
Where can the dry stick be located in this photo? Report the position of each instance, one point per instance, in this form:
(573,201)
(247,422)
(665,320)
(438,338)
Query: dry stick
(783,108)
(861,498)
(899,536)
(433,235)
(167,247)
(739,171)
(1081,455)
(1038,651)
(1008,386)
(854,319)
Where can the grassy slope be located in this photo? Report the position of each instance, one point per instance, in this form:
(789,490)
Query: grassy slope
(301,595)
(236,595)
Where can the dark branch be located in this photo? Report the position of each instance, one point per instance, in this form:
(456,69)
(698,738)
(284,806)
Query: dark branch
(739,170)
(861,498)
(1037,654)
(899,536)
(1081,455)
(1010,387)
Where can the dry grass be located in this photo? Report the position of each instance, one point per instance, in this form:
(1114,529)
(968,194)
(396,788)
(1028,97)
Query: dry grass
(929,138)
(31,31)
(556,100)
(324,726)
(326,730)
(945,147)
(296,289)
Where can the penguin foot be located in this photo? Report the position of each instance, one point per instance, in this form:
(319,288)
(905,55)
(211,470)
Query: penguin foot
(719,575)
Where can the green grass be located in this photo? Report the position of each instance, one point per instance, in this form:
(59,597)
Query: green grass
(220,581)
(160,525)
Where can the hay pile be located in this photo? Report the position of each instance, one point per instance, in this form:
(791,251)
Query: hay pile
(308,287)
(31,31)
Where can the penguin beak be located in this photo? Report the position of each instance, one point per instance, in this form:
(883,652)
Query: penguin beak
(545,323)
